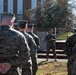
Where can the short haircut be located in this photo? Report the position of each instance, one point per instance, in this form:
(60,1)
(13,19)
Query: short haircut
(8,15)
(50,30)
(30,25)
(22,24)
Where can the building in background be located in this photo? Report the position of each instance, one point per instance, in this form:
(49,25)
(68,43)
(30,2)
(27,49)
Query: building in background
(17,7)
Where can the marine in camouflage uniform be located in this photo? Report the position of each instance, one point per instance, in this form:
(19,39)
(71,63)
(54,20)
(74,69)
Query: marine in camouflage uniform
(50,44)
(68,50)
(73,61)
(74,68)
(31,44)
(13,47)
(36,39)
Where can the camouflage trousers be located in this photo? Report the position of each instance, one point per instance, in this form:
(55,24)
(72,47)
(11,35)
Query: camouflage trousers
(69,68)
(74,68)
(27,69)
(34,66)
(71,65)
(12,71)
(34,63)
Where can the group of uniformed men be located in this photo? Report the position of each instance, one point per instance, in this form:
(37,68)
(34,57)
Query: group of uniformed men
(18,49)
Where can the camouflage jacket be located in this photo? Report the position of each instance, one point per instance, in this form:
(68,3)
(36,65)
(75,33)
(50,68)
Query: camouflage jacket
(36,38)
(13,46)
(69,45)
(30,42)
(50,39)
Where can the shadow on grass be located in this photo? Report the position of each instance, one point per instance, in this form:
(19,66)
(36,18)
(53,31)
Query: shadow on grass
(44,62)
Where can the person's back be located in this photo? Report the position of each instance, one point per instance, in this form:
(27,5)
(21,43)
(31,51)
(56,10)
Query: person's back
(29,30)
(13,47)
(69,44)
(31,44)
(68,50)
(33,52)
(30,41)
(73,61)
(9,40)
(36,38)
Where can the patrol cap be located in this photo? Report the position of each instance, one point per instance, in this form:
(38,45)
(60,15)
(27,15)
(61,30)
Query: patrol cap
(8,14)
(22,23)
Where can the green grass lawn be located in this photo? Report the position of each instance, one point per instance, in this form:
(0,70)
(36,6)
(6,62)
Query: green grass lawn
(64,36)
(52,68)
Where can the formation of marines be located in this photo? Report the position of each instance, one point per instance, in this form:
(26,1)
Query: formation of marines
(32,45)
(18,50)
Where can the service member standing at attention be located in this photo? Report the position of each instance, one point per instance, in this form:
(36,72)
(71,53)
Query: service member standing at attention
(50,44)
(32,45)
(30,29)
(13,48)
(36,39)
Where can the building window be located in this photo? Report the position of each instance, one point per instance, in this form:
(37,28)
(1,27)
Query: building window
(1,16)
(19,17)
(10,6)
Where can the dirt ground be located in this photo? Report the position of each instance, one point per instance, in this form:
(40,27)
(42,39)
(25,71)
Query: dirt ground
(52,68)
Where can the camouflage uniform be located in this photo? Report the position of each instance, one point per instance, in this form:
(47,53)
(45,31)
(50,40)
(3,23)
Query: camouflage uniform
(36,38)
(73,61)
(13,49)
(33,52)
(74,68)
(68,49)
(37,43)
(50,45)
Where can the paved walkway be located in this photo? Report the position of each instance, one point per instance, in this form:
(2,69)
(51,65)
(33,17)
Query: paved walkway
(51,60)
(60,40)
